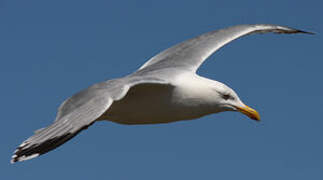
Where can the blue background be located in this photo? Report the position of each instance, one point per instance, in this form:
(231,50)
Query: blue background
(49,50)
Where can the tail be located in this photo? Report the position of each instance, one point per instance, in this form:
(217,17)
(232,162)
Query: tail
(45,140)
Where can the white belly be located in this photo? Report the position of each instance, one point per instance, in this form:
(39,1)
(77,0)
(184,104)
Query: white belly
(151,104)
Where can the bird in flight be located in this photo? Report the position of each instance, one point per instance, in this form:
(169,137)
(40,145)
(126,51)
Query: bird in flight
(165,89)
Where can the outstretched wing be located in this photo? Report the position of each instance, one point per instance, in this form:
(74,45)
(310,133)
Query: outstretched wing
(190,54)
(75,114)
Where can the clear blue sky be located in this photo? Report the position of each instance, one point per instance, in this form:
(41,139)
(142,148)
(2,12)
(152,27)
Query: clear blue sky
(51,49)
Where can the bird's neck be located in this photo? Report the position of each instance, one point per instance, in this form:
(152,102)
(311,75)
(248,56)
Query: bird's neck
(197,92)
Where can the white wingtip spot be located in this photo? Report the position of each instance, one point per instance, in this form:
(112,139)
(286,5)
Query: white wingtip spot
(23,158)
(13,159)
(23,144)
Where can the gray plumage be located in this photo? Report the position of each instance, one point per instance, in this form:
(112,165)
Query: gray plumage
(92,104)
(77,113)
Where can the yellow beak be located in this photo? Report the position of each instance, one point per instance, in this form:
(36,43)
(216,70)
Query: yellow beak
(248,111)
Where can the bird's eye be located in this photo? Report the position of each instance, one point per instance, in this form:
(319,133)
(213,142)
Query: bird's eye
(226,96)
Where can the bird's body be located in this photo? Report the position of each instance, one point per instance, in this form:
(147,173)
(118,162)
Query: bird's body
(165,89)
(186,97)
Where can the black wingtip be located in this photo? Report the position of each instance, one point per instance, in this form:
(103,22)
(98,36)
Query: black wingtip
(289,30)
(305,32)
(17,156)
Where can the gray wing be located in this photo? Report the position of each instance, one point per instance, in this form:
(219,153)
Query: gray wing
(190,54)
(77,113)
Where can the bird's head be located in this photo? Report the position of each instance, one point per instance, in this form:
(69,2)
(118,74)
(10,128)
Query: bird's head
(228,100)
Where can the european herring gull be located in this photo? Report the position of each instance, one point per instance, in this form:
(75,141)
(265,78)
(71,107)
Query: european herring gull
(165,89)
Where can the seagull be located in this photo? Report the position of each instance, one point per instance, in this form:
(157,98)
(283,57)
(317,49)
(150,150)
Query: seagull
(165,89)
